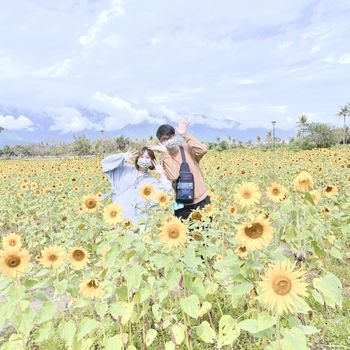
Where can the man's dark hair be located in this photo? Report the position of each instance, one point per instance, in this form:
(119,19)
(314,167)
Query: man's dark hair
(165,130)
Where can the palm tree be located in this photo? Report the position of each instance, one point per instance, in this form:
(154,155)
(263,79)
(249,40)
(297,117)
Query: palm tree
(258,140)
(302,123)
(269,138)
(344,112)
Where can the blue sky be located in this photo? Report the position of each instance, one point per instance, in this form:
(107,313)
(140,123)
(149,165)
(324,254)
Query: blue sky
(131,61)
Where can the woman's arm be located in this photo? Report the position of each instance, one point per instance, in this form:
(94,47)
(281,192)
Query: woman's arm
(116,168)
(115,161)
(165,183)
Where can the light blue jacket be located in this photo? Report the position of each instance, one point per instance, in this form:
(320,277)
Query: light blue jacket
(126,184)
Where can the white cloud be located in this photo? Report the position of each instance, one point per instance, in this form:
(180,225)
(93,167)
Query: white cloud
(238,60)
(120,112)
(180,94)
(9,66)
(68,119)
(113,40)
(57,70)
(155,40)
(344,59)
(10,122)
(245,81)
(285,45)
(89,40)
(281,109)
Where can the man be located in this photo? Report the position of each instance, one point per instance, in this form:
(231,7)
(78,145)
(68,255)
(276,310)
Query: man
(194,151)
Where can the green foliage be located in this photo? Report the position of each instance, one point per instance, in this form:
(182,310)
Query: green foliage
(317,135)
(82,145)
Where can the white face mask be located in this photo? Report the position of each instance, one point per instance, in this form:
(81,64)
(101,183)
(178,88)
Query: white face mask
(171,143)
(144,162)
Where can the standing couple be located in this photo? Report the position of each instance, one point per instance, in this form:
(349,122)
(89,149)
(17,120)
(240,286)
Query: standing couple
(129,172)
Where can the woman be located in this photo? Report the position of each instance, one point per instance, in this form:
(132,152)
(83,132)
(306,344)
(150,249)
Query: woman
(127,180)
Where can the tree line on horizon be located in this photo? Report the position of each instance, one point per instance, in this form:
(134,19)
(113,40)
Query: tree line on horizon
(310,135)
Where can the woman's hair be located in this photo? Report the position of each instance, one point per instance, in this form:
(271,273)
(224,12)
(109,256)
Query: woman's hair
(141,152)
(165,130)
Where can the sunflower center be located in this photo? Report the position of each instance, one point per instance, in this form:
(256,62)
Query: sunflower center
(13,261)
(276,191)
(281,285)
(92,284)
(113,214)
(78,255)
(247,194)
(162,199)
(242,249)
(197,236)
(196,216)
(328,189)
(147,191)
(173,233)
(254,231)
(53,257)
(12,242)
(90,203)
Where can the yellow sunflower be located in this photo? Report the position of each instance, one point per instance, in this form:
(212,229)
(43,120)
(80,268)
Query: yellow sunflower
(91,289)
(167,218)
(329,191)
(24,187)
(209,210)
(37,192)
(20,195)
(112,214)
(174,233)
(78,258)
(162,198)
(127,224)
(197,236)
(247,194)
(205,308)
(255,234)
(14,262)
(147,191)
(241,251)
(52,257)
(11,241)
(316,196)
(282,287)
(276,192)
(232,209)
(196,215)
(90,203)
(303,181)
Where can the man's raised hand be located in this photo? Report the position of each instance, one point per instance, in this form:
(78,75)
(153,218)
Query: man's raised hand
(182,128)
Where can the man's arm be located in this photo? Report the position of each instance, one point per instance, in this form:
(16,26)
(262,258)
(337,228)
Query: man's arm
(198,149)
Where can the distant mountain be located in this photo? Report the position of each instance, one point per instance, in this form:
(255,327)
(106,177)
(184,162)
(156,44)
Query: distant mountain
(206,133)
(205,130)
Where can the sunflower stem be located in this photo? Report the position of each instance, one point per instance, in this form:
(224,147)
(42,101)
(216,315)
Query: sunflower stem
(278,334)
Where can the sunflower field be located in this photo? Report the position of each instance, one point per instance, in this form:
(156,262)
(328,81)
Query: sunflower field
(264,266)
